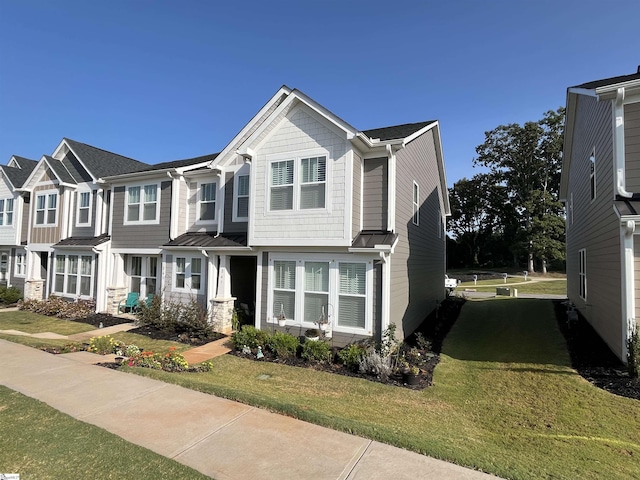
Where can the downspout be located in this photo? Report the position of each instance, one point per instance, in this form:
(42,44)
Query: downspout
(618,144)
(628,284)
(175,204)
(385,305)
(220,213)
(391,190)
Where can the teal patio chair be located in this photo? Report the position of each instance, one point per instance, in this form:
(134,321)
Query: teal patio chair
(131,302)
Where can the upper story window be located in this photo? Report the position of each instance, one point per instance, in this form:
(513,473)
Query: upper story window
(142,204)
(592,173)
(83,216)
(298,184)
(207,202)
(6,211)
(416,204)
(241,204)
(46,209)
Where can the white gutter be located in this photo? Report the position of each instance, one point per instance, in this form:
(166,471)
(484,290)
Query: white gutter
(618,144)
(628,283)
(385,302)
(391,190)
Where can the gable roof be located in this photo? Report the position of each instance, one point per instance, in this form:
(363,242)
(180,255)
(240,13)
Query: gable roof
(18,175)
(609,81)
(25,163)
(60,170)
(181,163)
(101,163)
(396,132)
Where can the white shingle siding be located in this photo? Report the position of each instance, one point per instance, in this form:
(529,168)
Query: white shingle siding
(297,132)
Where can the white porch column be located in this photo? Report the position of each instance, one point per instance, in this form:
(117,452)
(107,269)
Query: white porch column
(224,278)
(212,276)
(117,290)
(223,304)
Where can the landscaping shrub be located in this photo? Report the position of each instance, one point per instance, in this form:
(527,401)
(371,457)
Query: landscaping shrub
(59,307)
(10,295)
(376,363)
(633,354)
(351,355)
(283,345)
(190,318)
(249,336)
(103,345)
(319,351)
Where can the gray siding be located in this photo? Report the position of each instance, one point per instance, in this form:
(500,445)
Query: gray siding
(17,282)
(83,231)
(264,289)
(229,225)
(183,297)
(141,236)
(595,226)
(632,146)
(47,234)
(357,194)
(418,264)
(26,218)
(375,194)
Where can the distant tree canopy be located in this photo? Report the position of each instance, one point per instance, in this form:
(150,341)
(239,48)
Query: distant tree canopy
(511,215)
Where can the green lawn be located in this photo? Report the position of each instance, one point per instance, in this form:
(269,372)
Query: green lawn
(41,442)
(505,400)
(30,322)
(148,344)
(553,287)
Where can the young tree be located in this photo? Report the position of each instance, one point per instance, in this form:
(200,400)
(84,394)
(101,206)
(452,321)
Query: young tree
(527,160)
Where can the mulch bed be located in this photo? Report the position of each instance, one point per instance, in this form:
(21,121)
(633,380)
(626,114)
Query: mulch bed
(593,359)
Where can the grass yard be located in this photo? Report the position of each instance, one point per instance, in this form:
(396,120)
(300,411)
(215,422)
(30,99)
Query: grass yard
(149,344)
(552,287)
(30,322)
(505,400)
(41,442)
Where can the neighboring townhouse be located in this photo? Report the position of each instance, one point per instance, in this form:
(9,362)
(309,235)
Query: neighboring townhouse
(600,187)
(147,209)
(67,242)
(306,217)
(13,223)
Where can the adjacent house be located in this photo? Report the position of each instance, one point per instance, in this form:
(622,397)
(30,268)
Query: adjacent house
(300,218)
(600,187)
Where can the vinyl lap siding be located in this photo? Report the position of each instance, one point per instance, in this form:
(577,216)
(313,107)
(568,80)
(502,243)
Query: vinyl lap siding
(229,225)
(83,231)
(632,146)
(141,236)
(595,226)
(375,194)
(357,192)
(26,206)
(417,266)
(47,234)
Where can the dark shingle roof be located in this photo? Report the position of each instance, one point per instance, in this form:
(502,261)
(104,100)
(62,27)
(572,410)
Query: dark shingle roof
(396,131)
(82,241)
(102,163)
(371,238)
(25,163)
(181,163)
(60,170)
(17,176)
(209,240)
(609,81)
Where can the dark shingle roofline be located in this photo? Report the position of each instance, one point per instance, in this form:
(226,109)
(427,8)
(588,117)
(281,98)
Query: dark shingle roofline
(609,81)
(396,132)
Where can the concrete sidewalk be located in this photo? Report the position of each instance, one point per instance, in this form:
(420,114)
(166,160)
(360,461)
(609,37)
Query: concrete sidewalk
(218,437)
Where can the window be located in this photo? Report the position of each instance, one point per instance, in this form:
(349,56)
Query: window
(21,264)
(583,274)
(142,205)
(571,207)
(304,290)
(242,197)
(188,274)
(136,274)
(592,173)
(46,208)
(284,289)
(73,275)
(143,274)
(207,202)
(298,184)
(6,212)
(84,209)
(416,204)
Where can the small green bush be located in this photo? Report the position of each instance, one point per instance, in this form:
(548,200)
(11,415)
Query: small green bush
(10,295)
(283,345)
(316,350)
(249,336)
(351,355)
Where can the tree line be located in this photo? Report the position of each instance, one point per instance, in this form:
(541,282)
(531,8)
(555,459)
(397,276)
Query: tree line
(510,215)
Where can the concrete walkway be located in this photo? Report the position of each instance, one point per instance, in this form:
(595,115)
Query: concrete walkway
(220,438)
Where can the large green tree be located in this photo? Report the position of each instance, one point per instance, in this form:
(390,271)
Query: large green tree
(525,161)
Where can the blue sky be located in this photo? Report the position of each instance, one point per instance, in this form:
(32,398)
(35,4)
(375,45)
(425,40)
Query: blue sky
(166,80)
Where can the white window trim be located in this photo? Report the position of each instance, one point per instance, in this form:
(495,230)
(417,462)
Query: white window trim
(199,203)
(593,190)
(334,290)
(145,272)
(78,275)
(582,273)
(297,181)
(23,264)
(244,171)
(141,204)
(415,217)
(3,212)
(78,195)
(187,273)
(46,194)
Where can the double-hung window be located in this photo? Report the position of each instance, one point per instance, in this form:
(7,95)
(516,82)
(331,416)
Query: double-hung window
(84,209)
(241,206)
(21,263)
(6,211)
(188,274)
(46,209)
(316,290)
(582,274)
(284,288)
(298,184)
(352,295)
(207,203)
(142,204)
(73,275)
(416,204)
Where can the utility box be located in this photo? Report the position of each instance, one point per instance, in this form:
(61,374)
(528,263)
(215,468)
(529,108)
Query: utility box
(506,292)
